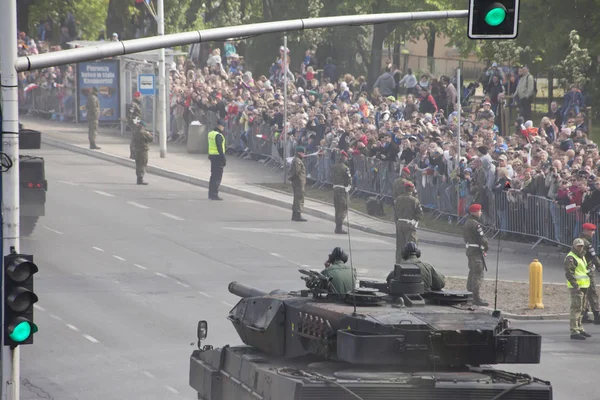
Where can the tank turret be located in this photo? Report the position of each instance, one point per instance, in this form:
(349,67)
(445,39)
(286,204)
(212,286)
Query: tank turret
(395,327)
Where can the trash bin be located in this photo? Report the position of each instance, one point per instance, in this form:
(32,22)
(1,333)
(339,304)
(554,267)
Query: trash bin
(197,142)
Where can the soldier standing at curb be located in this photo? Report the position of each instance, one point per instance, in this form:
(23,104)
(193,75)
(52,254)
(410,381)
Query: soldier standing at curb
(408,212)
(477,247)
(578,282)
(298,178)
(586,235)
(216,155)
(342,179)
(92,108)
(141,140)
(135,114)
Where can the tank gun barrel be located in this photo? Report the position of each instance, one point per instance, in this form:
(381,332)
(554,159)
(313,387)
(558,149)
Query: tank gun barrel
(244,291)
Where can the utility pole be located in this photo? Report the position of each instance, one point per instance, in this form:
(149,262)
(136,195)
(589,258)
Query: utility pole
(458,150)
(285,104)
(162,86)
(10,178)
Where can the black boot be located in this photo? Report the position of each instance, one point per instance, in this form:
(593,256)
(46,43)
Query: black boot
(586,318)
(477,301)
(339,229)
(577,336)
(294,216)
(298,217)
(596,318)
(140,181)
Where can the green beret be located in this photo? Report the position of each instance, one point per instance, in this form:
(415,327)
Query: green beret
(300,149)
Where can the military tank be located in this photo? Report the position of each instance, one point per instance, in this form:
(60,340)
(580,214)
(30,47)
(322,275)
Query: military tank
(382,341)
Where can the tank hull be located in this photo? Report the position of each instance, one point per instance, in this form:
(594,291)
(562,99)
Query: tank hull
(244,373)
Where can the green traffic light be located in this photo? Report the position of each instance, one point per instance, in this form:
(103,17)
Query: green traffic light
(495,16)
(21,332)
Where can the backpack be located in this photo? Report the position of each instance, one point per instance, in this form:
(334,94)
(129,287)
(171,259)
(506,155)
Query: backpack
(534,86)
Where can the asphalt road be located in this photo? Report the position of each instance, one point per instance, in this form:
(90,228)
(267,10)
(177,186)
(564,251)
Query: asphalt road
(126,272)
(571,365)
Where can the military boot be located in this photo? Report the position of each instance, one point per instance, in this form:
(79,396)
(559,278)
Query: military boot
(586,318)
(478,301)
(140,181)
(577,336)
(339,229)
(596,318)
(299,218)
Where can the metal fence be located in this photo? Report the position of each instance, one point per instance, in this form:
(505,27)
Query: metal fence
(507,211)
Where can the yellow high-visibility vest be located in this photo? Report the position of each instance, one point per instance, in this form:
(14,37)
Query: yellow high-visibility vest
(581,272)
(212,143)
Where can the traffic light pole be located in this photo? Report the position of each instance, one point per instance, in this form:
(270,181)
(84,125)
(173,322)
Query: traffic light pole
(10,178)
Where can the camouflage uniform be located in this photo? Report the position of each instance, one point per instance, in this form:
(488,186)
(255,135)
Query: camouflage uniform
(141,140)
(93,113)
(578,291)
(408,212)
(477,244)
(432,279)
(298,178)
(340,175)
(133,119)
(592,293)
(343,277)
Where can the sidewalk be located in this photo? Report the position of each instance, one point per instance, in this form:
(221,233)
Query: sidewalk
(241,178)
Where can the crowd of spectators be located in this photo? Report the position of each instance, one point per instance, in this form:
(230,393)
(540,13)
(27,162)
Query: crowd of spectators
(405,120)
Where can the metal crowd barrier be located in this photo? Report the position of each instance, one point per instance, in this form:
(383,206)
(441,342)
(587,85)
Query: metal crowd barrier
(509,212)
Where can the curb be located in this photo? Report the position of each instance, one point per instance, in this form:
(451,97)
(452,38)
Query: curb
(178,176)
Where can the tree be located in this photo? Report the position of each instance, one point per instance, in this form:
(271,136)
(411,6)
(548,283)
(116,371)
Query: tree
(89,14)
(574,68)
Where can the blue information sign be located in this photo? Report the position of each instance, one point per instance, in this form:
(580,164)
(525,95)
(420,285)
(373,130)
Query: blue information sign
(146,84)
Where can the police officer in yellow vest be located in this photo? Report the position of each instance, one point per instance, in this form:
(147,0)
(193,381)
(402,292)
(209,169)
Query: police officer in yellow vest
(578,282)
(216,155)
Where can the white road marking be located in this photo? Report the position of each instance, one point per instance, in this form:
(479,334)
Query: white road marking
(308,266)
(98,248)
(205,295)
(53,230)
(40,308)
(140,266)
(119,258)
(56,317)
(261,230)
(69,183)
(148,374)
(161,275)
(183,284)
(227,304)
(100,192)
(175,217)
(91,338)
(275,254)
(72,327)
(138,205)
(171,389)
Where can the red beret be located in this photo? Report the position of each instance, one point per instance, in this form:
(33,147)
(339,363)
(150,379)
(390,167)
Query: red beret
(136,95)
(589,227)
(474,208)
(409,184)
(344,153)
(405,169)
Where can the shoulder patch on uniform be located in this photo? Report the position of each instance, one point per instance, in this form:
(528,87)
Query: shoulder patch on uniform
(480,230)
(569,258)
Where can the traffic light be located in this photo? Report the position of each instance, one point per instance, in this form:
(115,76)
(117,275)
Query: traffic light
(493,19)
(19,299)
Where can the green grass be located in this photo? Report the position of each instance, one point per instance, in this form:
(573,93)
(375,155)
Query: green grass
(359,204)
